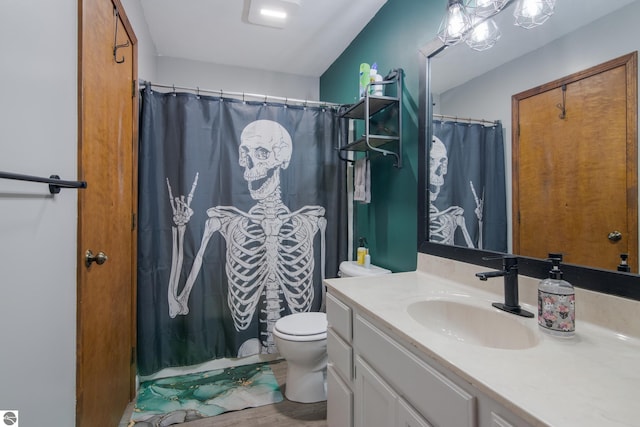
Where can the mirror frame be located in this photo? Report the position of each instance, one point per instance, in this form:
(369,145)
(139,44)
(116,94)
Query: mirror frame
(626,285)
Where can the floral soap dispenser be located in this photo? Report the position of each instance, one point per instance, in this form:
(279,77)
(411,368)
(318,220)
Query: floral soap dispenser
(556,302)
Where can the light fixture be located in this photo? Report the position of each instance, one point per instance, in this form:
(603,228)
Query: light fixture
(471,20)
(455,24)
(531,13)
(271,13)
(485,8)
(483,35)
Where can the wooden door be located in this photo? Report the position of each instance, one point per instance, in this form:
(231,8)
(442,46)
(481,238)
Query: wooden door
(107,158)
(575,166)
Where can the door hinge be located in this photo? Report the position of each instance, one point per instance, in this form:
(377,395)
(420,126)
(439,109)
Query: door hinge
(133,355)
(133,221)
(133,88)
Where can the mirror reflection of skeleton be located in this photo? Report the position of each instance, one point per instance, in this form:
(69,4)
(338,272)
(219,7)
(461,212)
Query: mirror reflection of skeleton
(269,248)
(443,224)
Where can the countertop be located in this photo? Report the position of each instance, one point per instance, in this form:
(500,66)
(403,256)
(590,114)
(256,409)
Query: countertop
(592,379)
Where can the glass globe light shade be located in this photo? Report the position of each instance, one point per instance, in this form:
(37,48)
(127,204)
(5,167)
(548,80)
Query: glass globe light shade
(455,24)
(483,35)
(531,13)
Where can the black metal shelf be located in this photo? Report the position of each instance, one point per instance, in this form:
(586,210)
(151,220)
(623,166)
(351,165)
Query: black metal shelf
(371,105)
(375,141)
(376,104)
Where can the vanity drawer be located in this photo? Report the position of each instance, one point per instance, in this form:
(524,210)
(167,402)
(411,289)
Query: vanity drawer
(339,317)
(436,397)
(340,354)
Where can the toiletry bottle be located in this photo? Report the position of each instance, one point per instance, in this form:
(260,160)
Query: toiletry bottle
(624,265)
(375,89)
(378,88)
(365,73)
(362,251)
(556,302)
(367,260)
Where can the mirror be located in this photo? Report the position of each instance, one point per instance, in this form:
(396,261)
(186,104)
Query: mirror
(580,34)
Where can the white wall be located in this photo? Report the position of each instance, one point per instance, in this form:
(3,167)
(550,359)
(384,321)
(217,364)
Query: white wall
(38,122)
(187,73)
(147,51)
(489,96)
(205,75)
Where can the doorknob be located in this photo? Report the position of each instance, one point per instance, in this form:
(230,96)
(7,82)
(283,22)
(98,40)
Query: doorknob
(99,259)
(615,236)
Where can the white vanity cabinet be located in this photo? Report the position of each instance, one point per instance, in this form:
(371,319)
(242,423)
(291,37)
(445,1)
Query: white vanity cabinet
(375,379)
(340,364)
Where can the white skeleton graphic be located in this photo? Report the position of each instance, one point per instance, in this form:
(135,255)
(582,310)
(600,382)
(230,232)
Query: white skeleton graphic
(269,248)
(443,224)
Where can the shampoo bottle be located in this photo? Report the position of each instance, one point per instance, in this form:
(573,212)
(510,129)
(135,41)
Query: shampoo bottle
(556,302)
(362,251)
(365,75)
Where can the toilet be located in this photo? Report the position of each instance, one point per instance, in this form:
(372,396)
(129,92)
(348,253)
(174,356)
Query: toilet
(301,339)
(353,269)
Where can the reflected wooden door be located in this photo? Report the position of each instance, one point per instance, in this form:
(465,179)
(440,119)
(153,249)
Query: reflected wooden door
(575,167)
(107,147)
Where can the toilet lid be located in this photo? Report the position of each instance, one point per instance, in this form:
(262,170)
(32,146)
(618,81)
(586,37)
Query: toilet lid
(303,324)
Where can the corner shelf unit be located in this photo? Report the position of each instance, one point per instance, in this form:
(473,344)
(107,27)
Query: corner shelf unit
(369,106)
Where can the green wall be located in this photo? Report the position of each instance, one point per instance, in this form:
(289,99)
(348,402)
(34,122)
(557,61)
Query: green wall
(392,39)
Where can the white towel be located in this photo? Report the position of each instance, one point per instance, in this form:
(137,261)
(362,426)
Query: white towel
(362,181)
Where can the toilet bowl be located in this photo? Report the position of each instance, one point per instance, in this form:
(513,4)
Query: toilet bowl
(301,339)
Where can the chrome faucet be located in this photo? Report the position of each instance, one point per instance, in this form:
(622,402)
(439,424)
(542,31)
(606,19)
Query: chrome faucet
(510,274)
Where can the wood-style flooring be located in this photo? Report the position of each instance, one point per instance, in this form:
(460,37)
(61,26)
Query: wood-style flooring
(282,414)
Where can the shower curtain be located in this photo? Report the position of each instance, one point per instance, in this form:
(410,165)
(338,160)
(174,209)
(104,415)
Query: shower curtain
(242,212)
(467,186)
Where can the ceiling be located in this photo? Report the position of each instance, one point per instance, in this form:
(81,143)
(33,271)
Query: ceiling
(217,31)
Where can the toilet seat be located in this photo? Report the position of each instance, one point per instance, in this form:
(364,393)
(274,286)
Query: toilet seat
(302,327)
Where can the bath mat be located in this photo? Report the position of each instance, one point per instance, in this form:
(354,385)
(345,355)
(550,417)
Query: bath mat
(183,398)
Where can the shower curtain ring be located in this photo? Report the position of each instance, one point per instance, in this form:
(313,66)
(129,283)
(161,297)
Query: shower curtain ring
(197,92)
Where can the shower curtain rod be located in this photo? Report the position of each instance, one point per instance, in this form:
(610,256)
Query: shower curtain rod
(242,95)
(467,120)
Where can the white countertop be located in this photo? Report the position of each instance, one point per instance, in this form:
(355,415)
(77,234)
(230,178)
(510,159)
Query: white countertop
(592,379)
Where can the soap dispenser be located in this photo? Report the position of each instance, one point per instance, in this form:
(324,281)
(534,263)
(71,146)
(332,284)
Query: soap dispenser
(556,302)
(624,264)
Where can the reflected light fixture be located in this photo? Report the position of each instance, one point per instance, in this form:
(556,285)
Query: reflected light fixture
(483,35)
(485,8)
(455,24)
(472,21)
(531,13)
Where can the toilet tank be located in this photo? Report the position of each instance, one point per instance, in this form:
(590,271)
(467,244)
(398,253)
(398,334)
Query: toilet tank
(352,269)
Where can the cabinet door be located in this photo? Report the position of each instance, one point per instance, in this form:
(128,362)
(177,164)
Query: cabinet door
(339,400)
(408,417)
(375,399)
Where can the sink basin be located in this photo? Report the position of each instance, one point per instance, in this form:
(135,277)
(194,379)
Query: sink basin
(488,327)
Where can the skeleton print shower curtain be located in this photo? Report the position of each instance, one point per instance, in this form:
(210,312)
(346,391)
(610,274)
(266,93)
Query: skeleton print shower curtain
(467,193)
(242,213)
